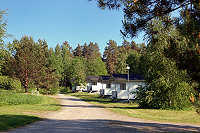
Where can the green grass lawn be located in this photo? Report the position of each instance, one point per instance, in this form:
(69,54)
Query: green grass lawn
(183,116)
(16,110)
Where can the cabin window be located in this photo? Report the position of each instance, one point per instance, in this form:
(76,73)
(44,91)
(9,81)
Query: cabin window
(108,85)
(94,83)
(122,86)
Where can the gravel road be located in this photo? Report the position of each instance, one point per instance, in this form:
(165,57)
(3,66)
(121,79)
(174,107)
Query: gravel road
(77,116)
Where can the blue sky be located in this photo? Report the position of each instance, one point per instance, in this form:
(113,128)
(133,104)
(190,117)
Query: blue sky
(75,21)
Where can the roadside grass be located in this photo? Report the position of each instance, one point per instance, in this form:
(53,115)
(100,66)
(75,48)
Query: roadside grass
(132,110)
(12,98)
(14,115)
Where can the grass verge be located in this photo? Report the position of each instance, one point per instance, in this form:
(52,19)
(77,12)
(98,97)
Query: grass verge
(15,115)
(183,116)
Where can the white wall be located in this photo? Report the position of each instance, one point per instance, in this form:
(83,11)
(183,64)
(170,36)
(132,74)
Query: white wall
(89,86)
(97,87)
(114,87)
(108,91)
(80,88)
(123,94)
(103,86)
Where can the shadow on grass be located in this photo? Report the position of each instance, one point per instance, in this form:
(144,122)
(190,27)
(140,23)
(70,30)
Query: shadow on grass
(50,105)
(126,107)
(13,121)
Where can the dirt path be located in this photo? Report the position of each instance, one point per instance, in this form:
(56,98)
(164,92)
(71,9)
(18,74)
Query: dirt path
(80,117)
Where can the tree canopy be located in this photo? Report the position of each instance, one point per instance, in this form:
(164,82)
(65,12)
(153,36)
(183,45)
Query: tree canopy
(137,13)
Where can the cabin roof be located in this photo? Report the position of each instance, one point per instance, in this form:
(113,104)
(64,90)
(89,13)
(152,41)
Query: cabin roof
(124,77)
(93,78)
(105,78)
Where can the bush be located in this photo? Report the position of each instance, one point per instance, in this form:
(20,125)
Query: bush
(7,83)
(32,88)
(12,98)
(65,90)
(49,91)
(175,96)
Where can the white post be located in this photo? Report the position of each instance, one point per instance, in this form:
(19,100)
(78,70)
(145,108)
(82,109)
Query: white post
(102,88)
(115,91)
(128,82)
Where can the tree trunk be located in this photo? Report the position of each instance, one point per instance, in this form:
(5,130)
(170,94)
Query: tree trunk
(26,87)
(26,83)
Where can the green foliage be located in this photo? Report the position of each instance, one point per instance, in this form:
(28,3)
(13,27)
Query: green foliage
(96,67)
(167,85)
(78,51)
(129,54)
(65,90)
(3,34)
(28,60)
(66,60)
(7,83)
(3,24)
(138,13)
(134,60)
(29,63)
(49,91)
(78,71)
(110,55)
(11,98)
(32,87)
(56,60)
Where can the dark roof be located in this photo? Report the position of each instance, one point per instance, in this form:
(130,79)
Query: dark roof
(105,77)
(93,78)
(125,76)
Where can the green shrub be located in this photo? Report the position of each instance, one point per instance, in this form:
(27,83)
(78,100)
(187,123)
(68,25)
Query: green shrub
(175,96)
(7,83)
(12,98)
(4,83)
(65,90)
(54,90)
(49,91)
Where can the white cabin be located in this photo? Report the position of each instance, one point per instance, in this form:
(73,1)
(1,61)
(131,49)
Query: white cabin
(105,89)
(81,87)
(122,88)
(92,84)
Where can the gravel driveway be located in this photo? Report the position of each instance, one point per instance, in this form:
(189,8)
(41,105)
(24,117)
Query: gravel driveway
(80,117)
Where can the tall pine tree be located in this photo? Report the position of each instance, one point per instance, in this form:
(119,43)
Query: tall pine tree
(110,56)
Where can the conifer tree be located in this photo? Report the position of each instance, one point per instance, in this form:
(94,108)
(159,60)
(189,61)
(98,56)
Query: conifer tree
(28,61)
(94,50)
(86,51)
(77,71)
(56,60)
(137,13)
(67,48)
(110,56)
(78,51)
(66,60)
(167,85)
(3,34)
